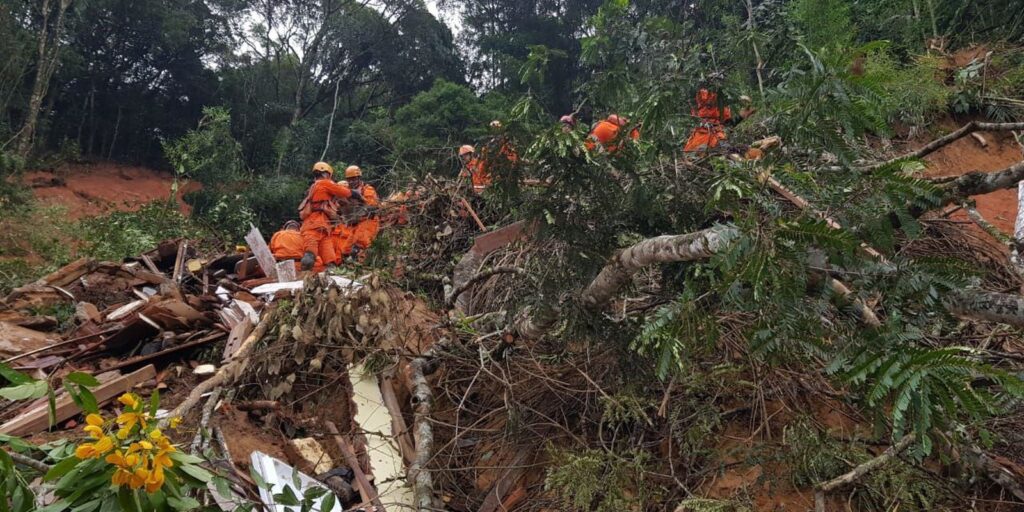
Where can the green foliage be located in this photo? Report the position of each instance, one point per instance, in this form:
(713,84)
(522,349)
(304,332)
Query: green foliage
(598,481)
(209,154)
(823,23)
(122,234)
(710,505)
(815,458)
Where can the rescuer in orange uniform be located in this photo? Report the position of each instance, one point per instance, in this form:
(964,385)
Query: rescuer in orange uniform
(711,130)
(287,244)
(474,168)
(368,225)
(607,132)
(315,222)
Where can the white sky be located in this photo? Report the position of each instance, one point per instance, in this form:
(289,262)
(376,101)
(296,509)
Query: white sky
(449,18)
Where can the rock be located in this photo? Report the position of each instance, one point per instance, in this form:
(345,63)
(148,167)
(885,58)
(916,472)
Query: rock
(205,369)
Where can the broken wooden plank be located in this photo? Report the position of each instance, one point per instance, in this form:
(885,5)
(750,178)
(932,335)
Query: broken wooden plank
(238,334)
(37,419)
(259,249)
(505,483)
(155,355)
(366,490)
(285,271)
(398,426)
(15,340)
(68,273)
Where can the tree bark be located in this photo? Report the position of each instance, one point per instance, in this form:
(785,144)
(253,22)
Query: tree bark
(977,182)
(988,306)
(669,248)
(46,65)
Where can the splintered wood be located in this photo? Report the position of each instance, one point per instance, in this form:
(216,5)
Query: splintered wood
(259,248)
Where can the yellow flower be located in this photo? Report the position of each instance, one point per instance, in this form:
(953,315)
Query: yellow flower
(94,420)
(94,450)
(146,445)
(129,400)
(156,435)
(121,477)
(175,421)
(155,480)
(162,460)
(165,445)
(117,459)
(93,431)
(138,478)
(128,420)
(123,433)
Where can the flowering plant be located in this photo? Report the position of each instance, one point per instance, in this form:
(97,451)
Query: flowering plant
(127,463)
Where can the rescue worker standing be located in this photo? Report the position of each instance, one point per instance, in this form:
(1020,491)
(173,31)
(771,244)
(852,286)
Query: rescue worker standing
(474,168)
(369,223)
(315,222)
(712,118)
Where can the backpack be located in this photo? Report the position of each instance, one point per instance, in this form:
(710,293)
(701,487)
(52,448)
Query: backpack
(306,206)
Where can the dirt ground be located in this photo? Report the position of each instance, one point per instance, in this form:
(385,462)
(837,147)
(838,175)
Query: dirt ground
(88,190)
(966,155)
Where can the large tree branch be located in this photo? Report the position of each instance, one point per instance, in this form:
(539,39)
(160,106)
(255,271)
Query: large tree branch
(663,249)
(977,182)
(946,140)
(1003,308)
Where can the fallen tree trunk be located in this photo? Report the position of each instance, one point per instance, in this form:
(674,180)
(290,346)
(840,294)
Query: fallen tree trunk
(663,249)
(988,306)
(977,182)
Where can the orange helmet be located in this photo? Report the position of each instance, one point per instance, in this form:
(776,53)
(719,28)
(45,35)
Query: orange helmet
(466,149)
(323,167)
(617,120)
(353,171)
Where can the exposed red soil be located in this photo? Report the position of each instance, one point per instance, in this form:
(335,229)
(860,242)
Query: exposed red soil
(88,190)
(966,155)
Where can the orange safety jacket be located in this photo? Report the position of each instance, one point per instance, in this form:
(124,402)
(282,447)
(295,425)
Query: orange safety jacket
(322,192)
(605,133)
(287,245)
(710,131)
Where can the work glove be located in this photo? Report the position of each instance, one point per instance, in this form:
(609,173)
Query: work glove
(355,252)
(357,196)
(308,260)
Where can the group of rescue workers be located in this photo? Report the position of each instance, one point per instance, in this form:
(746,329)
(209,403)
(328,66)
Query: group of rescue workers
(340,220)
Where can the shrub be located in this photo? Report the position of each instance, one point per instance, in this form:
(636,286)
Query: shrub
(123,234)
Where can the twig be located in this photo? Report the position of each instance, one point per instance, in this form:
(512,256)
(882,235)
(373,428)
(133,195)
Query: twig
(60,344)
(946,140)
(197,441)
(859,471)
(480,276)
(39,466)
(472,213)
(366,490)
(227,373)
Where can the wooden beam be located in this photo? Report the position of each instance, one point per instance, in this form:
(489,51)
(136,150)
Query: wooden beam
(37,419)
(366,490)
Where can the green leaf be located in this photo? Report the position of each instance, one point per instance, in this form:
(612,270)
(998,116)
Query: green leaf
(89,403)
(17,443)
(223,486)
(183,503)
(127,500)
(14,376)
(57,506)
(328,503)
(287,497)
(88,506)
(256,477)
(185,458)
(154,402)
(51,406)
(196,472)
(61,468)
(82,379)
(29,390)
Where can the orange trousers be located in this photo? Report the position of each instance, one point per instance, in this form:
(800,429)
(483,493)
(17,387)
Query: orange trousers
(318,241)
(704,138)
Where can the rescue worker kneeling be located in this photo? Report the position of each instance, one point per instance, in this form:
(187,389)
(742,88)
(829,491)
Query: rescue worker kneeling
(315,215)
(288,244)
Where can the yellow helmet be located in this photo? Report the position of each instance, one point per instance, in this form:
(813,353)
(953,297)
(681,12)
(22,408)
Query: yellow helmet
(467,149)
(353,171)
(323,167)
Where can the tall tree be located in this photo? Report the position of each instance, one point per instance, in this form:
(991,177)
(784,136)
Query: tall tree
(49,34)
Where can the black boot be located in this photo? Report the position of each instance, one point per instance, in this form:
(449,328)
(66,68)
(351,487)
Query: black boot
(308,260)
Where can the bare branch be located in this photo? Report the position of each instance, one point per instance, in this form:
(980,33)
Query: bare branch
(946,140)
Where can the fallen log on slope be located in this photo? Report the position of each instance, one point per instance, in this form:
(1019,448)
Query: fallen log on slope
(857,472)
(946,140)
